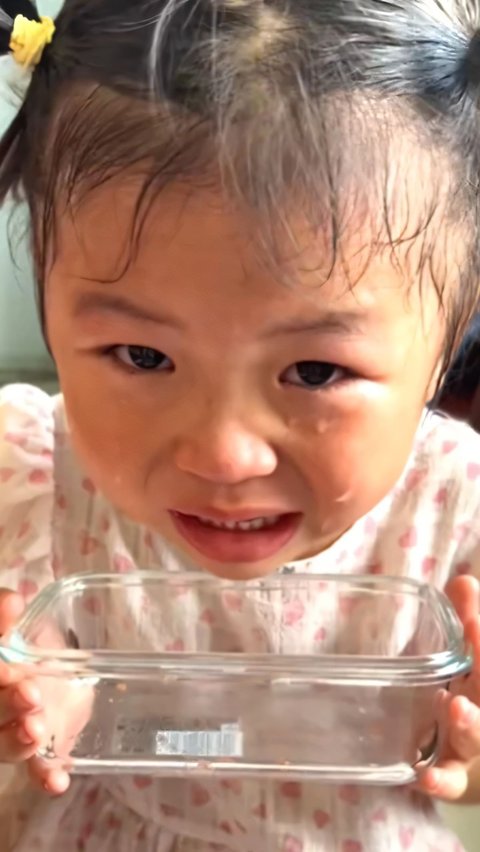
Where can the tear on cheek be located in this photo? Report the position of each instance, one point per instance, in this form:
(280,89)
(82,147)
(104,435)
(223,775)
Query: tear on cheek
(307,425)
(346,497)
(322,426)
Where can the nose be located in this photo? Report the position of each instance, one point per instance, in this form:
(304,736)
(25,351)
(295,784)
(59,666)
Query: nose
(229,455)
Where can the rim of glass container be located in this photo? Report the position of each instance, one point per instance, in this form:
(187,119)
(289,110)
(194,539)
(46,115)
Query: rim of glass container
(277,670)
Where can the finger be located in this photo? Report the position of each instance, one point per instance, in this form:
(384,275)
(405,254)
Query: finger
(11,608)
(53,780)
(472,637)
(21,698)
(448,781)
(442,704)
(464,728)
(20,741)
(464,594)
(11,674)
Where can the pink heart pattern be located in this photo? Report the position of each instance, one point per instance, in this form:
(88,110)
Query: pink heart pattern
(178,645)
(24,529)
(408,539)
(293,612)
(207,617)
(441,497)
(448,447)
(406,835)
(233,601)
(88,544)
(349,794)
(38,477)
(321,818)
(88,486)
(260,811)
(142,782)
(170,811)
(199,796)
(415,478)
(291,790)
(122,564)
(92,605)
(473,471)
(232,784)
(292,844)
(28,588)
(380,815)
(429,565)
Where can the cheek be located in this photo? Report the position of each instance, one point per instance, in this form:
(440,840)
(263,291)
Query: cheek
(110,436)
(352,459)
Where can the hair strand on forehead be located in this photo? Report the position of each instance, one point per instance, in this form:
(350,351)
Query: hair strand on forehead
(310,106)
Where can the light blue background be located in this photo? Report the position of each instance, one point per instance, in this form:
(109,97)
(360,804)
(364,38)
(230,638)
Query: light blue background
(22,353)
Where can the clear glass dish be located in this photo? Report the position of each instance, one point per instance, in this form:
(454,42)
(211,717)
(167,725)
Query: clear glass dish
(294,676)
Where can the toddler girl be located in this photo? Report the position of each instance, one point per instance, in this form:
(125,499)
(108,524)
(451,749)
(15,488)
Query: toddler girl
(256,243)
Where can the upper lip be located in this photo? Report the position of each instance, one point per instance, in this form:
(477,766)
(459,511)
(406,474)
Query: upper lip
(222,516)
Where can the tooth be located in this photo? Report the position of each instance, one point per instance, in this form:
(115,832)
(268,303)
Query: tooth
(243,526)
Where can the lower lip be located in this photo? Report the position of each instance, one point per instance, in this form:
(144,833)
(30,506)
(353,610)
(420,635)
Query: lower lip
(236,545)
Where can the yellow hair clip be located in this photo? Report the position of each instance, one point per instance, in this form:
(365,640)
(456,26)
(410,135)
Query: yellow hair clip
(29,39)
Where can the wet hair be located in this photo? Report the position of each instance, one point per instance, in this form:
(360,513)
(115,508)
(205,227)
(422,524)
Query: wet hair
(463,378)
(281,100)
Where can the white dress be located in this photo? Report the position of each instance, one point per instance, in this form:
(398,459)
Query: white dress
(53,522)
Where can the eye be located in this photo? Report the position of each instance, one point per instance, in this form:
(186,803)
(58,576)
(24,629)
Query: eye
(143,358)
(312,375)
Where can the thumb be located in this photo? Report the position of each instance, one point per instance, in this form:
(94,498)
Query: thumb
(464,594)
(448,780)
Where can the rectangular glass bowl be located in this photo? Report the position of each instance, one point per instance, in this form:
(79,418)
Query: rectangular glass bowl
(294,676)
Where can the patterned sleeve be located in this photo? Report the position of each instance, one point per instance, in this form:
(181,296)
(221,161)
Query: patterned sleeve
(465,515)
(26,488)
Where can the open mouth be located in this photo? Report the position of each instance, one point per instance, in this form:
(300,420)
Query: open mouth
(241,526)
(246,540)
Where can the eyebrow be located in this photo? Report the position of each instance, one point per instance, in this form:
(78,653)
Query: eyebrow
(108,303)
(344,323)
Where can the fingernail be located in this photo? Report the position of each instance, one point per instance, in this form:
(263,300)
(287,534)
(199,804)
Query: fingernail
(62,784)
(34,728)
(469,718)
(472,714)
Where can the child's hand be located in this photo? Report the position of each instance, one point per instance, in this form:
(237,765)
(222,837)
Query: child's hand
(459,709)
(22,718)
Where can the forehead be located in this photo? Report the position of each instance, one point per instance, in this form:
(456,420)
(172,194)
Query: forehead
(199,247)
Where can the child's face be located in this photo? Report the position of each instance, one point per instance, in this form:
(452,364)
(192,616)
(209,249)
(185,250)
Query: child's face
(295,404)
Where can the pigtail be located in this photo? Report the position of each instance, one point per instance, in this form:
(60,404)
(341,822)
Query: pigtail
(24,35)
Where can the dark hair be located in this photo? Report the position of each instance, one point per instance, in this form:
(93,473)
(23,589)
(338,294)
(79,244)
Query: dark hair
(463,377)
(280,97)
